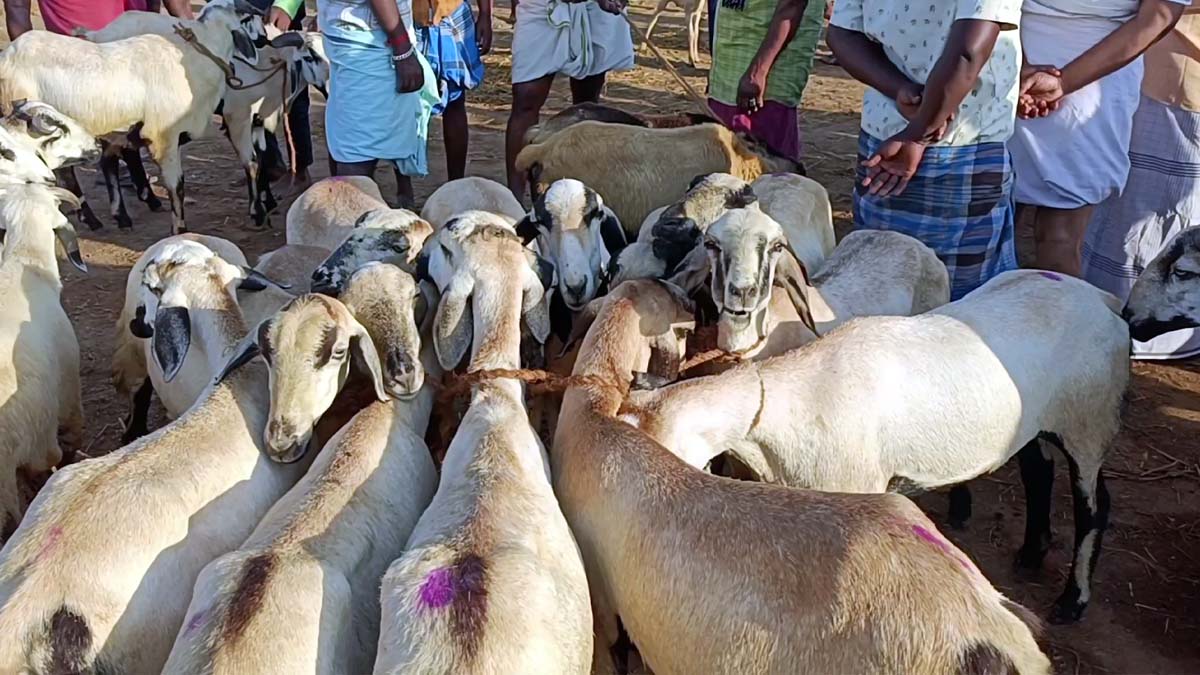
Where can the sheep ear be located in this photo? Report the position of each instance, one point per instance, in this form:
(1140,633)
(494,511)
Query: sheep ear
(365,353)
(560,318)
(680,296)
(692,271)
(245,355)
(452,325)
(257,281)
(243,44)
(612,234)
(527,229)
(288,39)
(172,337)
(793,277)
(70,243)
(696,181)
(742,198)
(138,326)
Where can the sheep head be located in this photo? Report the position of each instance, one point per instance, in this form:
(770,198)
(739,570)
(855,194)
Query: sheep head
(393,306)
(1166,297)
(58,140)
(392,236)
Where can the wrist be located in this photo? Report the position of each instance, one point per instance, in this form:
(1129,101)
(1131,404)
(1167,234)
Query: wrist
(915,132)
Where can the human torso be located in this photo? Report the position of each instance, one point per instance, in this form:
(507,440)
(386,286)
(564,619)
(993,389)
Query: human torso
(63,16)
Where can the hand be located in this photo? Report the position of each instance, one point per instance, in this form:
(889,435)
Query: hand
(483,33)
(611,6)
(750,91)
(1041,91)
(908,100)
(892,166)
(280,19)
(409,75)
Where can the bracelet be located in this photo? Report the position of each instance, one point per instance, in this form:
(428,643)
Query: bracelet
(400,57)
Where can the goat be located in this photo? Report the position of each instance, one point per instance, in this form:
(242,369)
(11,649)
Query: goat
(934,400)
(798,581)
(598,112)
(470,194)
(1165,296)
(99,575)
(871,273)
(636,169)
(39,374)
(693,10)
(302,594)
(491,580)
(578,233)
(158,87)
(323,213)
(672,234)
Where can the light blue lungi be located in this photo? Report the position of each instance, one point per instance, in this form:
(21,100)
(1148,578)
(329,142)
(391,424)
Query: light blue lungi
(365,118)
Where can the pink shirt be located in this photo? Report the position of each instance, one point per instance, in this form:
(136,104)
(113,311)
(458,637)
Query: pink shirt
(63,16)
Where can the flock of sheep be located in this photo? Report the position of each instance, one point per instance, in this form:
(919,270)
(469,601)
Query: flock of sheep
(583,371)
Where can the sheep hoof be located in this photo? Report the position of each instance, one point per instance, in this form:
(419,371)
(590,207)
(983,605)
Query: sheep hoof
(153,202)
(1028,563)
(90,218)
(1068,609)
(124,222)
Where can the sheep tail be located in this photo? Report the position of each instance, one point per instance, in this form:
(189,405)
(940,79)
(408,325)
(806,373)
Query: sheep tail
(68,640)
(1013,649)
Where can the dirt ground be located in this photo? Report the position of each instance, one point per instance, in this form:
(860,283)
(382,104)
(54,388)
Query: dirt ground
(1144,617)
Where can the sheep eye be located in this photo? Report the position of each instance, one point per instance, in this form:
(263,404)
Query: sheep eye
(711,245)
(339,353)
(1184,275)
(777,247)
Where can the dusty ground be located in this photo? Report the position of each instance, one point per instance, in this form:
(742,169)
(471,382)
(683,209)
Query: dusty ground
(1144,618)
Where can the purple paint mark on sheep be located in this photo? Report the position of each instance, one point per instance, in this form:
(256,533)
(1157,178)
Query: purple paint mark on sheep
(942,544)
(1051,275)
(195,622)
(438,589)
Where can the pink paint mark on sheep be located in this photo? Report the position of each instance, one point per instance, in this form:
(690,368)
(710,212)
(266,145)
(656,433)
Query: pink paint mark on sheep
(51,543)
(1051,275)
(438,589)
(943,545)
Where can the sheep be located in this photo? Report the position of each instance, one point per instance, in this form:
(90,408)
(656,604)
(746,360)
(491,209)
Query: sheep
(258,297)
(598,112)
(158,87)
(470,194)
(291,265)
(871,273)
(797,581)
(693,10)
(39,378)
(302,593)
(492,580)
(391,236)
(58,140)
(579,233)
(99,575)
(323,213)
(671,234)
(636,169)
(908,404)
(1164,297)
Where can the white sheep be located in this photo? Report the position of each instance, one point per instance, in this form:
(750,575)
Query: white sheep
(578,234)
(637,169)
(39,374)
(99,575)
(708,574)
(492,580)
(158,87)
(302,593)
(471,193)
(57,139)
(911,404)
(1166,296)
(324,213)
(693,10)
(871,273)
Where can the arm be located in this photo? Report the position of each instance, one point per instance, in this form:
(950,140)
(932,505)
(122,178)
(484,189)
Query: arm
(179,8)
(409,76)
(780,32)
(17,18)
(968,48)
(866,62)
(483,26)
(282,12)
(1154,19)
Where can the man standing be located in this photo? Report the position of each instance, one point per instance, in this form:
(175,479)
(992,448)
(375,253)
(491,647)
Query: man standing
(943,78)
(63,16)
(582,40)
(288,15)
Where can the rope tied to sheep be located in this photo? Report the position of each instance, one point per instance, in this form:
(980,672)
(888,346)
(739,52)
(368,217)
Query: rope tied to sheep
(189,37)
(691,92)
(538,381)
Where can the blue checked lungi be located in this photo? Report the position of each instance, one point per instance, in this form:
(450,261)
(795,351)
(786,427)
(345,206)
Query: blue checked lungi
(453,54)
(959,204)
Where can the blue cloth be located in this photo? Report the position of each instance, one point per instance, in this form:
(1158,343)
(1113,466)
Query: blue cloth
(365,119)
(453,54)
(959,204)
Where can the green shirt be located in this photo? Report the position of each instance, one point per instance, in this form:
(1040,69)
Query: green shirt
(289,6)
(740,33)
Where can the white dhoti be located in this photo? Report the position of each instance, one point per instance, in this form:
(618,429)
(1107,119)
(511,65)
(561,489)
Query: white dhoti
(576,39)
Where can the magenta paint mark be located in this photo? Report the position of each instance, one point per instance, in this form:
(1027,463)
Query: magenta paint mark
(195,622)
(52,539)
(1051,275)
(438,589)
(942,544)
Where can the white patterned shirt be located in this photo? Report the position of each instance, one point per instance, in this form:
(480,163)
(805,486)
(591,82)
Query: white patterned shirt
(913,34)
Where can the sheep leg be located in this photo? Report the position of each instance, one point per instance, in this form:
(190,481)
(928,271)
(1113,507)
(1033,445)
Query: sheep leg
(68,179)
(172,174)
(694,34)
(1091,519)
(960,507)
(136,425)
(10,503)
(110,168)
(264,184)
(1037,475)
(141,182)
